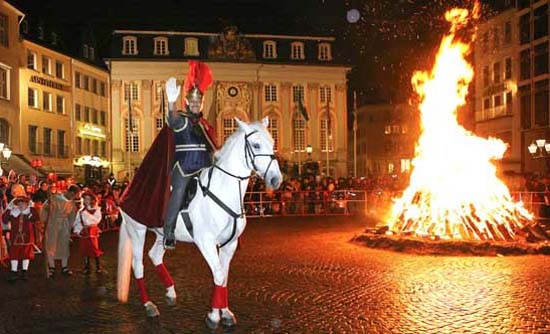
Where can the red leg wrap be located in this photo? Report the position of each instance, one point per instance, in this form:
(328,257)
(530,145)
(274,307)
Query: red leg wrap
(164,275)
(142,290)
(219,298)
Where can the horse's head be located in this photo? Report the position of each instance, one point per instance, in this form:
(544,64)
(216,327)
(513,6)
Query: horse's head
(258,147)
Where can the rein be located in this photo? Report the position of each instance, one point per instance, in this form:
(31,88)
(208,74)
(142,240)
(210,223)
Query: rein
(249,154)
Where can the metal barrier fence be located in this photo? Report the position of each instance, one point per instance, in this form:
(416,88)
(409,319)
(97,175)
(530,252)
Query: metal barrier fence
(305,203)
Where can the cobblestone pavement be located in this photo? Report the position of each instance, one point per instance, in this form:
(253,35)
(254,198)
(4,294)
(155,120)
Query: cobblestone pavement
(299,275)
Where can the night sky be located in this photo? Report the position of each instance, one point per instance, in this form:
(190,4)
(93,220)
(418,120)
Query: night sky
(390,41)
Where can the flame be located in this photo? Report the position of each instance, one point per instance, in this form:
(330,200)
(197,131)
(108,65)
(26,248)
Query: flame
(454,192)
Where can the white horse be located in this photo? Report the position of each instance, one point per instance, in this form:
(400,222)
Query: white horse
(217,217)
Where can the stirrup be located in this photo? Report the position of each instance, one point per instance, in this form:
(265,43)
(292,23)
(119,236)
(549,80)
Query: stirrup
(170,244)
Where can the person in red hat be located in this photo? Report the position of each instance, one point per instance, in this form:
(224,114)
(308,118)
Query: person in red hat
(21,216)
(193,138)
(86,225)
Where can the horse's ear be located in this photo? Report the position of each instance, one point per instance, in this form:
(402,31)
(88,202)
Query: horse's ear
(265,121)
(242,125)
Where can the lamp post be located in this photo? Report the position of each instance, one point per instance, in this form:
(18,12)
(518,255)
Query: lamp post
(540,149)
(309,149)
(6,153)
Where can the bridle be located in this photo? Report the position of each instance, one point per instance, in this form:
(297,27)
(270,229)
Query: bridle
(251,156)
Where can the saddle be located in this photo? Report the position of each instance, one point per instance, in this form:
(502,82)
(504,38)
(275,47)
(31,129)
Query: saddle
(190,192)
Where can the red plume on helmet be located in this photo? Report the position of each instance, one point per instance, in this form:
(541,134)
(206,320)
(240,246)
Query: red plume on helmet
(199,76)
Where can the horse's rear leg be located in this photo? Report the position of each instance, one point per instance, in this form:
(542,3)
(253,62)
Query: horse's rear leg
(156,254)
(138,241)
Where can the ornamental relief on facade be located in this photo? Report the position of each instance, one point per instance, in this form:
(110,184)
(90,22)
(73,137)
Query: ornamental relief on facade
(233,97)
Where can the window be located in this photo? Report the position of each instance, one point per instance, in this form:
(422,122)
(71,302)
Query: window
(47,141)
(94,116)
(508,32)
(4,131)
(191,47)
(33,135)
(86,85)
(508,69)
(299,134)
(103,118)
(132,137)
(78,112)
(78,146)
(95,148)
(273,128)
(59,70)
(270,49)
(4,33)
(541,103)
(135,91)
(94,85)
(496,73)
(485,76)
(405,165)
(159,123)
(86,114)
(487,103)
(77,79)
(525,64)
(270,91)
(525,106)
(541,58)
(47,101)
(324,51)
(86,148)
(485,42)
(46,65)
(31,60)
(33,98)
(103,151)
(509,103)
(541,22)
(60,104)
(229,126)
(325,93)
(161,46)
(102,89)
(297,93)
(61,149)
(523,4)
(497,100)
(496,38)
(524,29)
(297,50)
(129,45)
(4,82)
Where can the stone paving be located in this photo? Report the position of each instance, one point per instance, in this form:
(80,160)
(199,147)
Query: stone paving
(299,275)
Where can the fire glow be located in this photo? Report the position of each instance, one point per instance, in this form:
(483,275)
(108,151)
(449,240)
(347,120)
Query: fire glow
(454,192)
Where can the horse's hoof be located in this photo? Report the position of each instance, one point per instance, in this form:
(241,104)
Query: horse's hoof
(170,301)
(151,310)
(229,322)
(210,323)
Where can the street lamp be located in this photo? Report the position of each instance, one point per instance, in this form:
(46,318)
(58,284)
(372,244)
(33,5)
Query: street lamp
(540,149)
(309,149)
(6,152)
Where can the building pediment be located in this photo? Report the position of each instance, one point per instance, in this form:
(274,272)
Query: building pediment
(230,45)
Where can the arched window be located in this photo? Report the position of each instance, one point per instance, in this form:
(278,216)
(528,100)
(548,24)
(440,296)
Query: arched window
(270,49)
(324,51)
(4,132)
(297,50)
(191,47)
(129,45)
(161,46)
(298,133)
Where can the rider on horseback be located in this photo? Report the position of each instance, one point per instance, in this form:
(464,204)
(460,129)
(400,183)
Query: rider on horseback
(194,140)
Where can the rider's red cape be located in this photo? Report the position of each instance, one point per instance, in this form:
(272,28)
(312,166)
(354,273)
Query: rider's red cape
(146,197)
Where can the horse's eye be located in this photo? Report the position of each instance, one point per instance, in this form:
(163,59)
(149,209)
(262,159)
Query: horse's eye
(256,145)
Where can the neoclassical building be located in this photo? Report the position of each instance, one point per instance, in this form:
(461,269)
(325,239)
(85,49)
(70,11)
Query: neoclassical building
(255,76)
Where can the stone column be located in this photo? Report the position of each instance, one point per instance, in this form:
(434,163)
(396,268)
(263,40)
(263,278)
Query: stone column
(314,111)
(147,121)
(286,119)
(117,127)
(340,126)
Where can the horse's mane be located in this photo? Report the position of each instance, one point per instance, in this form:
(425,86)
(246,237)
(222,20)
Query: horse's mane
(228,147)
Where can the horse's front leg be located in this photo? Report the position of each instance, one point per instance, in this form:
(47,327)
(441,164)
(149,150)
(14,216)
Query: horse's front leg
(226,254)
(209,251)
(156,254)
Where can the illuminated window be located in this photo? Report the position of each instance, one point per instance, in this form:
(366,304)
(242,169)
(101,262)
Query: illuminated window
(191,47)
(273,128)
(297,50)
(327,130)
(270,93)
(135,91)
(159,121)
(298,93)
(299,134)
(326,94)
(161,46)
(229,126)
(132,137)
(31,60)
(129,45)
(270,49)
(32,99)
(405,165)
(47,101)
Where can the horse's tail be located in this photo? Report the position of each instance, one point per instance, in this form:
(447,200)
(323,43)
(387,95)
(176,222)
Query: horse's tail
(124,260)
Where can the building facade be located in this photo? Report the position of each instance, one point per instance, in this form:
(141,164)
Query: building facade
(255,76)
(10,50)
(496,66)
(386,139)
